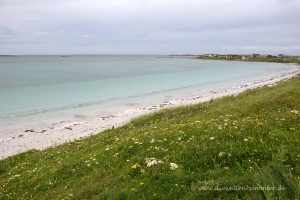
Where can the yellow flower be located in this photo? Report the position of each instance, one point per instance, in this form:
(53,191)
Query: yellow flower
(133,189)
(259,124)
(141,183)
(134,166)
(226,168)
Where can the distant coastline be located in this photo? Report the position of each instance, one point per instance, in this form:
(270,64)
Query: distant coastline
(8,56)
(280,58)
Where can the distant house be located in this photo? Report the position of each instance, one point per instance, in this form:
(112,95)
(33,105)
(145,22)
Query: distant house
(210,55)
(255,55)
(280,56)
(221,56)
(232,56)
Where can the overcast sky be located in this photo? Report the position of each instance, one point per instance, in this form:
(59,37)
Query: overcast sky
(149,26)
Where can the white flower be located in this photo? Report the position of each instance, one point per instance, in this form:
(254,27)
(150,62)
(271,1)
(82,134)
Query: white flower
(212,138)
(152,141)
(152,161)
(221,154)
(295,111)
(173,166)
(245,139)
(160,162)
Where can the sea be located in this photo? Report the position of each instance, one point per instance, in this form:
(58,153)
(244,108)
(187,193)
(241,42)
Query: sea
(54,88)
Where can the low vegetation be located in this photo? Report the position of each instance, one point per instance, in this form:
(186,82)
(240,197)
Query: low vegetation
(237,147)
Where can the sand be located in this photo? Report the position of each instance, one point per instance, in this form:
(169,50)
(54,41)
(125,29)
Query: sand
(22,140)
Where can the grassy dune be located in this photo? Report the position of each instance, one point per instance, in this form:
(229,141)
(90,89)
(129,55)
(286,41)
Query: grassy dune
(228,148)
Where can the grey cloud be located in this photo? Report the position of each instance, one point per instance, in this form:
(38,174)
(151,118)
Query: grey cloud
(144,26)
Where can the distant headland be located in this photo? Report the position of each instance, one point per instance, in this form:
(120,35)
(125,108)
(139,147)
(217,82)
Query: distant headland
(280,58)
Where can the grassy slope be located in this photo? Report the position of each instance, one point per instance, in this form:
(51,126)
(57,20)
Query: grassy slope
(248,140)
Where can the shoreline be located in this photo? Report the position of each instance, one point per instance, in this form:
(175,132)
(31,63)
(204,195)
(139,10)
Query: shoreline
(66,131)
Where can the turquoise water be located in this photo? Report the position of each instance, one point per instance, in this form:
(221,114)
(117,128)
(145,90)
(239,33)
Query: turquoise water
(44,87)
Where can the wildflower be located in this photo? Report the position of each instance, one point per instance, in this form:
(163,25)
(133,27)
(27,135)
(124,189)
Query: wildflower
(133,189)
(173,166)
(221,154)
(226,168)
(151,161)
(134,166)
(212,138)
(245,139)
(259,124)
(152,141)
(295,111)
(141,183)
(261,141)
(160,162)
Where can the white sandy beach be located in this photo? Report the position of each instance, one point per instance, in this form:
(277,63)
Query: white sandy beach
(20,140)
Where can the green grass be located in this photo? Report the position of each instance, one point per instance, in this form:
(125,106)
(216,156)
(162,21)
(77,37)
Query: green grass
(250,141)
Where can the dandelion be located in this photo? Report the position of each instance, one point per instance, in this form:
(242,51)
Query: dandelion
(173,166)
(259,124)
(134,166)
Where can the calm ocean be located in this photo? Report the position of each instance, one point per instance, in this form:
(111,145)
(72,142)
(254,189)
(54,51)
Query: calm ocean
(36,88)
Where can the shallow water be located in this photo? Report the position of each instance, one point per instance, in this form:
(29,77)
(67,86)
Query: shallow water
(37,88)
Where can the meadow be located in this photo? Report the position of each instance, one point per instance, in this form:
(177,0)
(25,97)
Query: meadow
(236,147)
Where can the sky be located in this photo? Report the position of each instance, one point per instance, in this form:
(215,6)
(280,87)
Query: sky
(149,27)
